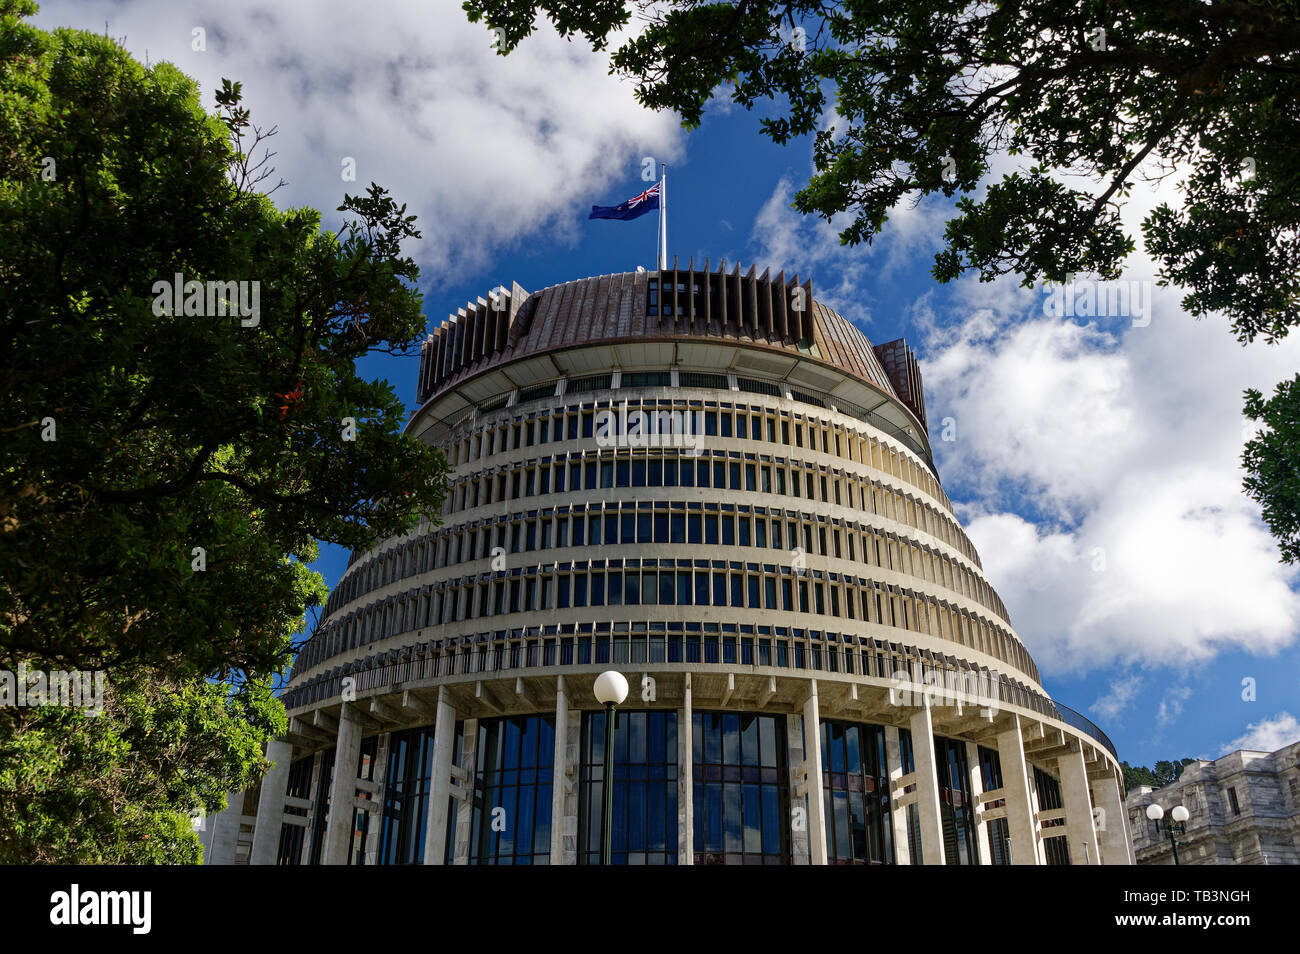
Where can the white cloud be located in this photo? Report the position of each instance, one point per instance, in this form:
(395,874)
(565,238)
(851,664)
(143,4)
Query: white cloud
(489,152)
(1099,457)
(1266,735)
(784,239)
(1103,460)
(1122,693)
(1171,705)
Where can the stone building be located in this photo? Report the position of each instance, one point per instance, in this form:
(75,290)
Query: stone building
(1244,810)
(718,486)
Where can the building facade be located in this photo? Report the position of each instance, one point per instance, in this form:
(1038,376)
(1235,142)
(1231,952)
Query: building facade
(718,486)
(1244,810)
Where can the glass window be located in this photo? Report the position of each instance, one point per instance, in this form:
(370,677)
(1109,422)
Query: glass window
(855,789)
(289,851)
(998,830)
(512,797)
(740,789)
(406,794)
(955,809)
(649,588)
(361,820)
(644,830)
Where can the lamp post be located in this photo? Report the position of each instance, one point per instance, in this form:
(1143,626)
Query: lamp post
(611,690)
(1178,826)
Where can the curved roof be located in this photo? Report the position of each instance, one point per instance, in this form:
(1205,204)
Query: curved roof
(761,312)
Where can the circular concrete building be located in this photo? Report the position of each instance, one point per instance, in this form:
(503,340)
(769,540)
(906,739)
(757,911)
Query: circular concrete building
(715,485)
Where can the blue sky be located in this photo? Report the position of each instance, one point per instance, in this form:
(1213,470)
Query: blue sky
(1094,461)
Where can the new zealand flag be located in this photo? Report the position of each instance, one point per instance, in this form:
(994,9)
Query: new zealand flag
(634,207)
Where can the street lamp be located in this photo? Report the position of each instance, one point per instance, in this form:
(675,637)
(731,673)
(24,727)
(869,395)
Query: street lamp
(611,690)
(1178,826)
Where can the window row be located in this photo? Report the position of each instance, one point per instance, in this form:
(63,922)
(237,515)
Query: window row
(513,433)
(668,522)
(742,806)
(714,470)
(716,584)
(712,525)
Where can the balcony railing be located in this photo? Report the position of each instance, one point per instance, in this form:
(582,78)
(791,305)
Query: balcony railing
(444,431)
(566,645)
(1086,726)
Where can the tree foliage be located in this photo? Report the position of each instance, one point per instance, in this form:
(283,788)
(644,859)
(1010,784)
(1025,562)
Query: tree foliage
(911,98)
(121,786)
(1164,773)
(169,464)
(1272,473)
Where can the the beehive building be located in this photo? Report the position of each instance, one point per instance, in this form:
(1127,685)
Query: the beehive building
(710,482)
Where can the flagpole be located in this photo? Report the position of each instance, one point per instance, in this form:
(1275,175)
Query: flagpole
(663,218)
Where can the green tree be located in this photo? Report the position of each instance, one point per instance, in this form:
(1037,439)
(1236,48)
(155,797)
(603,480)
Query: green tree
(911,98)
(1163,774)
(120,786)
(169,464)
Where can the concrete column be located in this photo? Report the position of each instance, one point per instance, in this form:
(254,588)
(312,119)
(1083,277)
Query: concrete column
(220,832)
(465,810)
(572,758)
(342,818)
(316,794)
(559,773)
(813,763)
(1040,848)
(1073,770)
(375,821)
(795,755)
(444,741)
(270,804)
(927,787)
(1116,844)
(977,788)
(685,780)
(1015,782)
(897,813)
